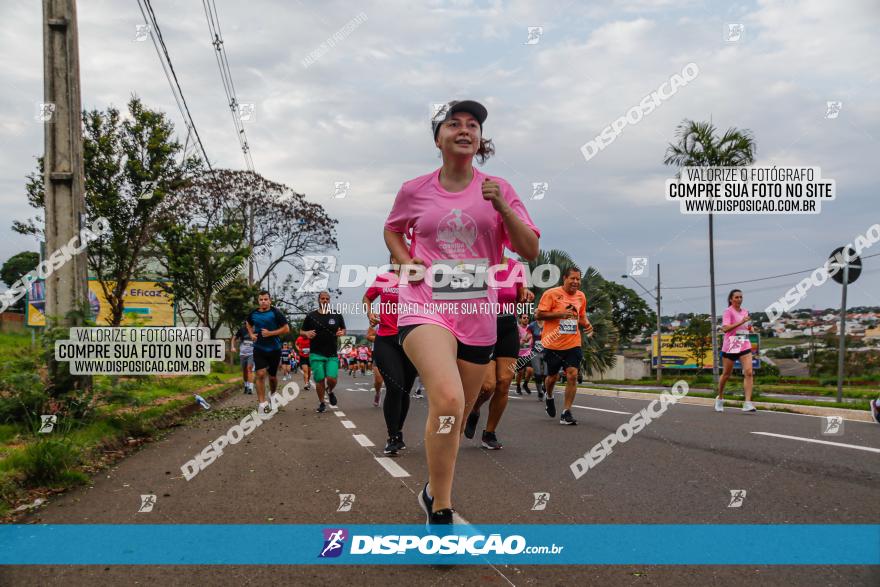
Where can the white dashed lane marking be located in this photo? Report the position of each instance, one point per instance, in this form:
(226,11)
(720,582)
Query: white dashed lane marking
(363,440)
(348,424)
(393,468)
(827,442)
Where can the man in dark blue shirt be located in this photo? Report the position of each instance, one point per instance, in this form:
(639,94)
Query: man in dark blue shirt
(265,325)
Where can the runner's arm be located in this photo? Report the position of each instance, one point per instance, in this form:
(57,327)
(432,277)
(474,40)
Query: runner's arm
(523,239)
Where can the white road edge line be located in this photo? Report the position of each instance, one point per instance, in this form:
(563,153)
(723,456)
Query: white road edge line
(340,414)
(363,440)
(348,424)
(829,443)
(393,468)
(600,409)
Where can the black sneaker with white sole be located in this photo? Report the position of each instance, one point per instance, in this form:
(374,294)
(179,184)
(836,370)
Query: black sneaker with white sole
(321,408)
(567,419)
(550,406)
(490,441)
(332,397)
(398,439)
(432,518)
(518,390)
(470,426)
(391,446)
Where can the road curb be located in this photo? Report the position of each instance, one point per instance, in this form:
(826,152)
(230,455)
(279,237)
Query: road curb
(852,415)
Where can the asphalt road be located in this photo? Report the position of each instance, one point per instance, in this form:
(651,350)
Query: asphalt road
(680,469)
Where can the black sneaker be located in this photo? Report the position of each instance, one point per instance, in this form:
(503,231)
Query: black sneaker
(518,390)
(470,426)
(442,517)
(550,406)
(391,446)
(308,387)
(540,394)
(399,441)
(490,441)
(332,398)
(567,419)
(526,389)
(321,408)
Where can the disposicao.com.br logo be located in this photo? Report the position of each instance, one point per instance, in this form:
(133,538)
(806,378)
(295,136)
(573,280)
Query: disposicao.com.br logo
(415,545)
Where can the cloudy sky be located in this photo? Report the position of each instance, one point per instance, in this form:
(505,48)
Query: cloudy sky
(360,112)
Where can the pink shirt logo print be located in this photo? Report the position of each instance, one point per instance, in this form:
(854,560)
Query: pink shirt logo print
(456,227)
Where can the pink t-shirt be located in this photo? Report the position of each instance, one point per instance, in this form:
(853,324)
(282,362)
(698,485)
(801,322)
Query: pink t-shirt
(385,288)
(735,340)
(445,226)
(525,340)
(509,280)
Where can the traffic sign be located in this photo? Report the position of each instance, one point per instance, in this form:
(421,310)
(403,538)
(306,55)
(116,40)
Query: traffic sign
(855,264)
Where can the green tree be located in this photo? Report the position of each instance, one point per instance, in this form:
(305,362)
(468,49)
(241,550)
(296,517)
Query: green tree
(696,337)
(600,348)
(15,267)
(629,312)
(235,301)
(130,168)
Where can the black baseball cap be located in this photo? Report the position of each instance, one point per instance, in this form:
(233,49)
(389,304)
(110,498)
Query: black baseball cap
(472,107)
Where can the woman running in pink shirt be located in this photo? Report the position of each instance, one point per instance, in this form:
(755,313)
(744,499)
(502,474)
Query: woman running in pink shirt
(459,221)
(736,346)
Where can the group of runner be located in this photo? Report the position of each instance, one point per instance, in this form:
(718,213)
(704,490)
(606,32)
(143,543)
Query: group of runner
(462,219)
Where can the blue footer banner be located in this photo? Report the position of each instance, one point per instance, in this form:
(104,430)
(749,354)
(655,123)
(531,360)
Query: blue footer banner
(353,544)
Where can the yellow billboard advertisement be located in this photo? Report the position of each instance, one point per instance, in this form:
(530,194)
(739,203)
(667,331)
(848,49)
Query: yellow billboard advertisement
(145,304)
(678,357)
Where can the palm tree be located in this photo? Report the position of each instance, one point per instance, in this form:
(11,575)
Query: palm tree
(699,147)
(599,349)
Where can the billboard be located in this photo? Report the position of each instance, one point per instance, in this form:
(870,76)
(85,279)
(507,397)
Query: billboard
(678,357)
(145,304)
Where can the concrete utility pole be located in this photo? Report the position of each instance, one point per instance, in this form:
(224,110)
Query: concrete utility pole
(61,112)
(712,306)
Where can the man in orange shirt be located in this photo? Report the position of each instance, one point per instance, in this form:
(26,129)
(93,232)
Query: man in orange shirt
(563,310)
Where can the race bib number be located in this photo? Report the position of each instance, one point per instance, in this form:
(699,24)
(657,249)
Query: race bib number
(739,342)
(568,326)
(459,279)
(305,351)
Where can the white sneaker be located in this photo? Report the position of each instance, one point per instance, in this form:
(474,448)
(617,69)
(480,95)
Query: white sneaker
(719,404)
(265,408)
(748,407)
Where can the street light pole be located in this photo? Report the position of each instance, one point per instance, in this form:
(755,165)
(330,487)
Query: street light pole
(714,318)
(657,298)
(659,333)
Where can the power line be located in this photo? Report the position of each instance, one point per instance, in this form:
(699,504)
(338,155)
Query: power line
(758,278)
(216,35)
(165,58)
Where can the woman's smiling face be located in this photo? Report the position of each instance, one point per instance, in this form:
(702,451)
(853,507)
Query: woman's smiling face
(459,136)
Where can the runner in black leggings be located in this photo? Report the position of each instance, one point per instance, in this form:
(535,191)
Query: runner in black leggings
(391,362)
